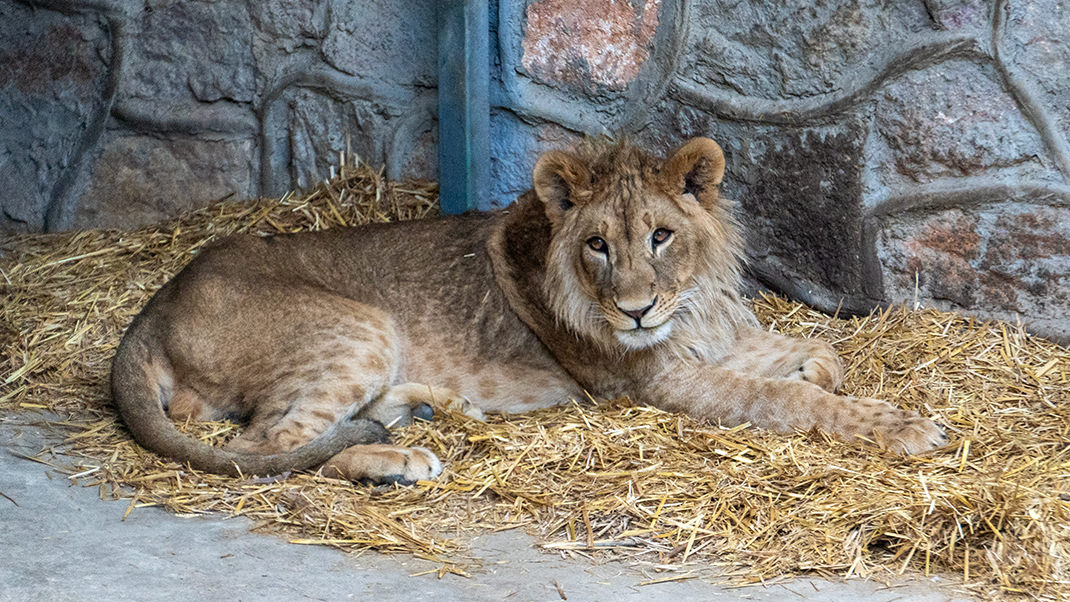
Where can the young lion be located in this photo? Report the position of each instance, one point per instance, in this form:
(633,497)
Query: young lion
(618,274)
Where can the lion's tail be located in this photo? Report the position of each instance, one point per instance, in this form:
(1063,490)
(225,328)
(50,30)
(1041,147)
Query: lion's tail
(142,380)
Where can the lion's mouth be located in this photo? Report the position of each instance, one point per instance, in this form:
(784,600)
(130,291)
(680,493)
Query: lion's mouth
(641,337)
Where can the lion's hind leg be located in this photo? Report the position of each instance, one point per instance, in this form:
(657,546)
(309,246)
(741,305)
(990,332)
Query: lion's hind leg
(770,355)
(327,377)
(347,361)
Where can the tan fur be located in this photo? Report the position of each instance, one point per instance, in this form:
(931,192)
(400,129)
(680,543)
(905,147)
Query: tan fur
(318,338)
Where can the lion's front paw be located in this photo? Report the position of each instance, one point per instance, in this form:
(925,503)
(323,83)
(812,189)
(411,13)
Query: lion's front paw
(460,403)
(399,405)
(908,433)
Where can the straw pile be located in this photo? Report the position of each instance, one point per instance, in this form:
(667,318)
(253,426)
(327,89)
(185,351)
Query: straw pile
(991,510)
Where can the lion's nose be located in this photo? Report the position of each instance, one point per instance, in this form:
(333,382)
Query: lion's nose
(637,314)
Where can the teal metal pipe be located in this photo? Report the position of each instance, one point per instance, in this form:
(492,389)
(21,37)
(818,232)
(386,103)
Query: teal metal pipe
(463,104)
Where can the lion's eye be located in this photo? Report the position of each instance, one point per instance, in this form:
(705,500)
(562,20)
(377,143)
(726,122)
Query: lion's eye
(660,235)
(597,244)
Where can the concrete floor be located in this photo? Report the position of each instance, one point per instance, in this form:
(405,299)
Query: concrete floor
(61,543)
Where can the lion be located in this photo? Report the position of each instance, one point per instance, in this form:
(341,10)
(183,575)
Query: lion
(618,274)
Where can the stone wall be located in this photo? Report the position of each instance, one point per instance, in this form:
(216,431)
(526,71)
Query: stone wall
(119,113)
(881,151)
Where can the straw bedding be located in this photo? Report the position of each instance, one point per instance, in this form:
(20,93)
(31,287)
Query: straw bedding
(991,510)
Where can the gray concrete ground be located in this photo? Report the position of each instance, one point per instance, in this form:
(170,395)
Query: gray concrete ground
(59,542)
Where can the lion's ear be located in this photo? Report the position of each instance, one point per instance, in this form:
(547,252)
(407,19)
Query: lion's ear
(697,169)
(561,181)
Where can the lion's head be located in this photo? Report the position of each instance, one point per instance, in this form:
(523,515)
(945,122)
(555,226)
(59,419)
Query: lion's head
(643,250)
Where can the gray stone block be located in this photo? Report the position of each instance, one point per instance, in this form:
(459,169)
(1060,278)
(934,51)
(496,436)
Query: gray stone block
(393,43)
(179,51)
(952,120)
(800,195)
(1036,44)
(307,131)
(53,85)
(796,49)
(286,38)
(137,180)
(290,24)
(414,149)
(1009,259)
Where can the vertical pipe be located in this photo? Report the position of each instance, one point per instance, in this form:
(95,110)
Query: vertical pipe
(463,104)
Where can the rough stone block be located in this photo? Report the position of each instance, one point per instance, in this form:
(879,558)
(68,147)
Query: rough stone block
(953,120)
(138,180)
(1036,44)
(286,38)
(794,49)
(289,23)
(593,66)
(590,43)
(53,81)
(1009,260)
(392,42)
(308,130)
(321,127)
(800,194)
(190,50)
